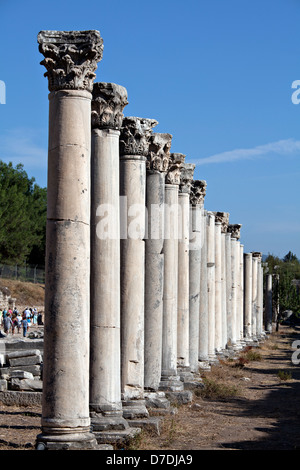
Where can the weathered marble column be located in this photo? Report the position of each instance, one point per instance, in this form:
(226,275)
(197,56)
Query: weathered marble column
(210,231)
(196,202)
(248,297)
(223,219)
(234,229)
(254,296)
(228,288)
(71,59)
(108,103)
(241,296)
(157,166)
(203,307)
(134,148)
(170,379)
(268,304)
(260,331)
(218,286)
(186,178)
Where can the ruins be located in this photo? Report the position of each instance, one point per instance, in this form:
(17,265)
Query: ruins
(158,286)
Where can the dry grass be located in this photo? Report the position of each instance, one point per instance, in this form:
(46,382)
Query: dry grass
(26,293)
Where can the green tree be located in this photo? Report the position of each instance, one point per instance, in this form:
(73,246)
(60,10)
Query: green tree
(288,269)
(22,215)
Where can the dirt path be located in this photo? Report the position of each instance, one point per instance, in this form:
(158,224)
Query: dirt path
(263,414)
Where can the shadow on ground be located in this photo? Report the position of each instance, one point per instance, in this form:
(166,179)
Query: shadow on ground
(281,406)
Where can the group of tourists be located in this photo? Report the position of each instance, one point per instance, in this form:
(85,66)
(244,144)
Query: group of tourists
(13,320)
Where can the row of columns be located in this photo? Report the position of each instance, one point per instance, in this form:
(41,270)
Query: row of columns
(154,285)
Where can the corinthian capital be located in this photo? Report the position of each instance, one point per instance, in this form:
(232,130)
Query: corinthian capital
(108,103)
(222,217)
(198,192)
(159,152)
(135,135)
(71,58)
(235,230)
(186,177)
(176,162)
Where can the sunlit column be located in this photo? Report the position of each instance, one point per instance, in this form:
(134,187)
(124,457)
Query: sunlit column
(108,102)
(71,59)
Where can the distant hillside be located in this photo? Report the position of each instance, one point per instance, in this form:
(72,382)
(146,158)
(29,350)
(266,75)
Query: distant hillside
(26,293)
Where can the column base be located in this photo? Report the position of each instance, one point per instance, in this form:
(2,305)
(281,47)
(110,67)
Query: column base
(204,364)
(134,409)
(67,441)
(106,422)
(156,400)
(170,383)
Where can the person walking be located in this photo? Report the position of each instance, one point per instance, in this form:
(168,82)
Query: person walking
(7,324)
(24,325)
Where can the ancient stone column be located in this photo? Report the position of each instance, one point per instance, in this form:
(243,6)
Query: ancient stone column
(71,59)
(196,202)
(157,166)
(223,219)
(186,178)
(218,286)
(268,304)
(210,231)
(228,288)
(234,229)
(203,306)
(254,296)
(248,296)
(260,332)
(170,379)
(241,299)
(134,148)
(108,103)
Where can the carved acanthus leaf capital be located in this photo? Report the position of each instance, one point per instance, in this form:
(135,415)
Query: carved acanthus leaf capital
(108,103)
(159,152)
(71,58)
(235,230)
(222,217)
(176,162)
(198,192)
(135,135)
(186,177)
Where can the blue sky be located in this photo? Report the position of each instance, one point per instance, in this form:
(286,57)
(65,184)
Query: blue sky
(215,74)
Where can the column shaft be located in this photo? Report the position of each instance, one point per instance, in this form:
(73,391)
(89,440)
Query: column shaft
(268,304)
(183,282)
(218,287)
(203,308)
(248,296)
(194,286)
(211,283)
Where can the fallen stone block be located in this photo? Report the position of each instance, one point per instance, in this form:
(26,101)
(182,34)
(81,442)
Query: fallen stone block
(26,384)
(3,385)
(180,398)
(11,397)
(30,352)
(34,369)
(25,360)
(21,374)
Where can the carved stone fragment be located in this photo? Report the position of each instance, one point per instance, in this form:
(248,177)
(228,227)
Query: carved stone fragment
(71,58)
(222,217)
(234,229)
(176,162)
(108,103)
(135,135)
(197,192)
(159,152)
(186,177)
